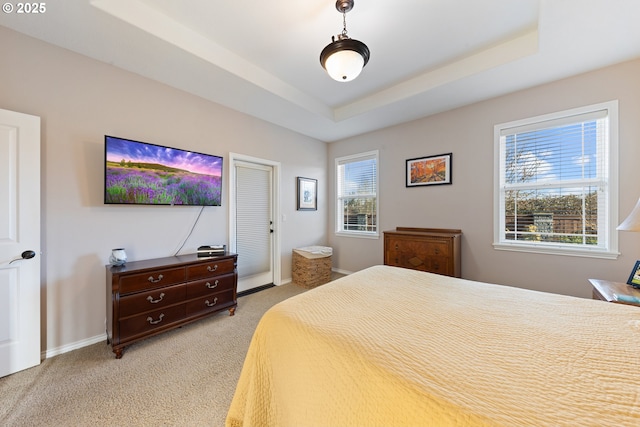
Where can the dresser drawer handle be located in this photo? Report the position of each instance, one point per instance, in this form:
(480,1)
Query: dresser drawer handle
(211,304)
(210,286)
(155,322)
(152,280)
(215,267)
(396,246)
(155,301)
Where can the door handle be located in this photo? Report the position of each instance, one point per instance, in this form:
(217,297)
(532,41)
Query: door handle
(25,255)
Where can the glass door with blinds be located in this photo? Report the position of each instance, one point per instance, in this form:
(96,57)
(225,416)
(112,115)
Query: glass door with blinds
(254,227)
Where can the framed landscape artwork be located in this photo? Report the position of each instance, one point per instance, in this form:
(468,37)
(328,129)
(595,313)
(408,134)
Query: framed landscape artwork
(307,194)
(430,170)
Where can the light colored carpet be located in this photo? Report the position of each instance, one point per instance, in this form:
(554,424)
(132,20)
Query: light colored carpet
(184,377)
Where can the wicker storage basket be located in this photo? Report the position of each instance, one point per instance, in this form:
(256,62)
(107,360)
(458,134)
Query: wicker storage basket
(310,272)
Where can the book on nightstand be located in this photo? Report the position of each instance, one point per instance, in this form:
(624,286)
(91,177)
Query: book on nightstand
(629,299)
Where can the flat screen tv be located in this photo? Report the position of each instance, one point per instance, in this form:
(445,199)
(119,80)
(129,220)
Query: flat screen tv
(139,173)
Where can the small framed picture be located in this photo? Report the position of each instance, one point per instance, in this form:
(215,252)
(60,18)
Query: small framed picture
(307,194)
(634,278)
(431,170)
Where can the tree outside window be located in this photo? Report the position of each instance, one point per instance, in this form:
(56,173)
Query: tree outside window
(556,186)
(357,194)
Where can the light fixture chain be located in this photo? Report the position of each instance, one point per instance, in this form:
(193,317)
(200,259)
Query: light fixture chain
(344,24)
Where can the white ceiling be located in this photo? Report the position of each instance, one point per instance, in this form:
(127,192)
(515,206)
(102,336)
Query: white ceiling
(262,57)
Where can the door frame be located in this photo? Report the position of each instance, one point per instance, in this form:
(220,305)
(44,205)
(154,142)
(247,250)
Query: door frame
(275,206)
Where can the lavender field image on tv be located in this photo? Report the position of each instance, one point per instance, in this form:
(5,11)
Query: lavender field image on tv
(140,173)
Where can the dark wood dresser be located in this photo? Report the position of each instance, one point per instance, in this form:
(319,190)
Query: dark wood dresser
(427,249)
(145,298)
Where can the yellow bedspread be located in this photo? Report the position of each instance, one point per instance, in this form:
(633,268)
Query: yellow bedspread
(394,347)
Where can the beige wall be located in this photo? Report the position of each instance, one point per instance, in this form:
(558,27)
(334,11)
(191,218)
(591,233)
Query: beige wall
(468,203)
(79,101)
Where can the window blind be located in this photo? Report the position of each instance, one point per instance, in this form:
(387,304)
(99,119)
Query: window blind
(554,181)
(253,216)
(357,187)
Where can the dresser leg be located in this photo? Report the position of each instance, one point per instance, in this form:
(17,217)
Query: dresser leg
(232,311)
(118,352)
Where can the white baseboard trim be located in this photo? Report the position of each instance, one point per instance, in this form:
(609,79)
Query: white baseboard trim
(103,337)
(73,346)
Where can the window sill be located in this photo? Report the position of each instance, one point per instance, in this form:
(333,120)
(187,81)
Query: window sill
(360,235)
(557,250)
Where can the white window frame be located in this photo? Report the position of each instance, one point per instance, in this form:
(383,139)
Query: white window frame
(609,250)
(339,222)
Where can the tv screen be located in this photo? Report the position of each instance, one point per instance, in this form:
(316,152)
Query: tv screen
(148,174)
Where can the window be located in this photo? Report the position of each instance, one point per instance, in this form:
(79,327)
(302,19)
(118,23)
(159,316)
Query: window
(556,183)
(357,195)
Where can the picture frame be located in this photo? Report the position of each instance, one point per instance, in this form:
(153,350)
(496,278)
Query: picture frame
(307,194)
(429,170)
(634,277)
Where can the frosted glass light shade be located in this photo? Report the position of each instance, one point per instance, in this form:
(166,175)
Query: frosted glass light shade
(344,58)
(344,65)
(632,222)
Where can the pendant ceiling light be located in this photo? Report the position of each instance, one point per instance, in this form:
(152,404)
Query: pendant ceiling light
(344,58)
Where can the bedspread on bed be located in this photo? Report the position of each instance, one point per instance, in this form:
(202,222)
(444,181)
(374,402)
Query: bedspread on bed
(393,347)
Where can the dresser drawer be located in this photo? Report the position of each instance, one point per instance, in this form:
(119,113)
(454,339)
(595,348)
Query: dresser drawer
(144,281)
(210,269)
(149,297)
(211,285)
(145,323)
(152,300)
(417,247)
(439,265)
(433,264)
(426,249)
(417,263)
(209,303)
(437,248)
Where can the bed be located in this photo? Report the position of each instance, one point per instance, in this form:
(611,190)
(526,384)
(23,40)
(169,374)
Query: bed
(388,346)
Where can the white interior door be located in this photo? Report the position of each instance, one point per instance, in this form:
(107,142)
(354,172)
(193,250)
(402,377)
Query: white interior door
(254,233)
(19,242)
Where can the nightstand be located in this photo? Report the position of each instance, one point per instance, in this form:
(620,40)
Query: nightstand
(605,289)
